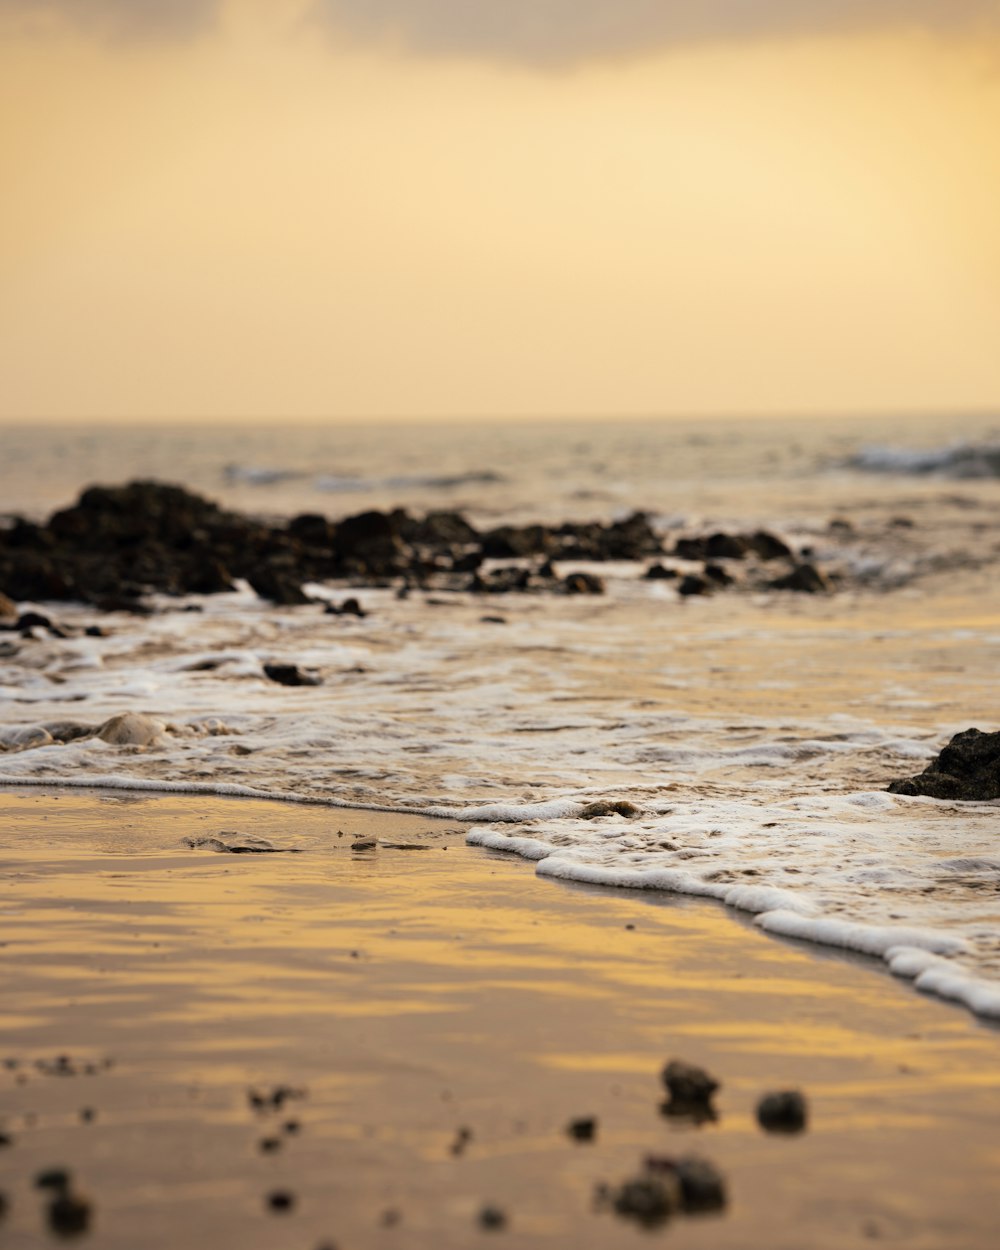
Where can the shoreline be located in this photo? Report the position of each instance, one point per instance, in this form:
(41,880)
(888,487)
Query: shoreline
(412,995)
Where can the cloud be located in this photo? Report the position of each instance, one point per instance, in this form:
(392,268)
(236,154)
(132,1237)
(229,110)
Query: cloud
(116,18)
(568,30)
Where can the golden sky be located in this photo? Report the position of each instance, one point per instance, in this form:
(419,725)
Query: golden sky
(314,208)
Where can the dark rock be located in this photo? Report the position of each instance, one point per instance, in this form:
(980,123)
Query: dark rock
(493,620)
(693,584)
(701,1186)
(968,769)
(278,586)
(782,1112)
(492,1218)
(4,1204)
(657,572)
(649,1200)
(87,1115)
(725,547)
(716,573)
(53,1178)
(691,549)
(582,1129)
(803,577)
(349,607)
(462,1138)
(281,1200)
(767,546)
(291,675)
(33,620)
(442,529)
(312,529)
(609,807)
(582,584)
(69,1214)
(269,1145)
(689,1089)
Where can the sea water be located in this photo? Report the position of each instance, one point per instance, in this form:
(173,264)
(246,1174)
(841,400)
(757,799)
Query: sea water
(755,732)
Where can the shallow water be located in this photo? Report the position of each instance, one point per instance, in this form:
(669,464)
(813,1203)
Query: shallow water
(409,994)
(757,732)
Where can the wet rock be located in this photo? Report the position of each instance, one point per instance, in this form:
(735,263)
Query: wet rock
(768,546)
(291,675)
(26,739)
(8,609)
(70,731)
(275,1098)
(53,1178)
(582,584)
(131,729)
(609,807)
(805,578)
(28,621)
(694,584)
(782,1112)
(269,1145)
(717,574)
(281,1201)
(280,586)
(349,607)
(462,1138)
(725,547)
(649,1199)
(238,844)
(657,572)
(689,1090)
(968,769)
(582,1129)
(492,1218)
(364,844)
(700,1184)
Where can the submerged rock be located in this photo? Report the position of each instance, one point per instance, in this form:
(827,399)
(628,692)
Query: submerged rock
(967,769)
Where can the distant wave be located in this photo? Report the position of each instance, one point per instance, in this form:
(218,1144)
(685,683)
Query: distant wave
(958,460)
(349,484)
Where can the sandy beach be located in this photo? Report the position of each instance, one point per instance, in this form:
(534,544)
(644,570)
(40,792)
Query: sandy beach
(437,1016)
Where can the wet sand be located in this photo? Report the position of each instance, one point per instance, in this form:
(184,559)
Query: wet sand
(408,994)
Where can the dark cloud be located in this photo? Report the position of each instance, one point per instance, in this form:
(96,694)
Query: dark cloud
(567,30)
(116,18)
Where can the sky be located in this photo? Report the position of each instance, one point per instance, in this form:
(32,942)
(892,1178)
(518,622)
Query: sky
(267,209)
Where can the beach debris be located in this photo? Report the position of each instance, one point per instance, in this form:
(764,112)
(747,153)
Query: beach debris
(68,1212)
(583,1128)
(582,584)
(230,842)
(967,769)
(291,675)
(131,729)
(689,1091)
(609,807)
(281,1200)
(492,1218)
(782,1112)
(462,1138)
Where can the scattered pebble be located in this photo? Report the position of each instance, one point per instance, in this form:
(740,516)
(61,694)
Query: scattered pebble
(462,1138)
(690,1090)
(69,1214)
(268,1145)
(582,1129)
(88,1115)
(782,1112)
(492,1218)
(281,1200)
(649,1200)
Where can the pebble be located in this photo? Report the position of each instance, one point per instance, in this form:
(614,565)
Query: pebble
(690,1089)
(281,1200)
(582,1129)
(492,1218)
(782,1112)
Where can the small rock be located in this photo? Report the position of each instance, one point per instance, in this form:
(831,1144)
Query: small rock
(606,807)
(462,1138)
(282,1200)
(365,844)
(269,1145)
(657,572)
(649,1200)
(291,675)
(4,1204)
(131,729)
(690,1090)
(782,1112)
(805,578)
(582,584)
(492,1218)
(703,1187)
(69,1214)
(582,1129)
(87,1115)
(53,1178)
(968,769)
(349,607)
(692,584)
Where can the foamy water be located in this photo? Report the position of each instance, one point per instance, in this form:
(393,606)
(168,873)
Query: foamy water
(755,733)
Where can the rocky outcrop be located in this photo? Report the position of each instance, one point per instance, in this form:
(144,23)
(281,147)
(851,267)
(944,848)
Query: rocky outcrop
(967,769)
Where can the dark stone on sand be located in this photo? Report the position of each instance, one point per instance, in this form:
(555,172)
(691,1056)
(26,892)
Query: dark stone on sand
(805,578)
(53,1178)
(269,1145)
(702,1186)
(493,620)
(492,1218)
(462,1138)
(693,584)
(689,1088)
(6,1140)
(609,807)
(657,572)
(69,1215)
(281,1200)
(33,620)
(767,546)
(291,675)
(782,1112)
(582,1129)
(716,573)
(4,1205)
(968,769)
(87,1115)
(649,1200)
(582,584)
(349,607)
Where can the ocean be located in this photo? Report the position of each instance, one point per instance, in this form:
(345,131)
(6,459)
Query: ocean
(755,730)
